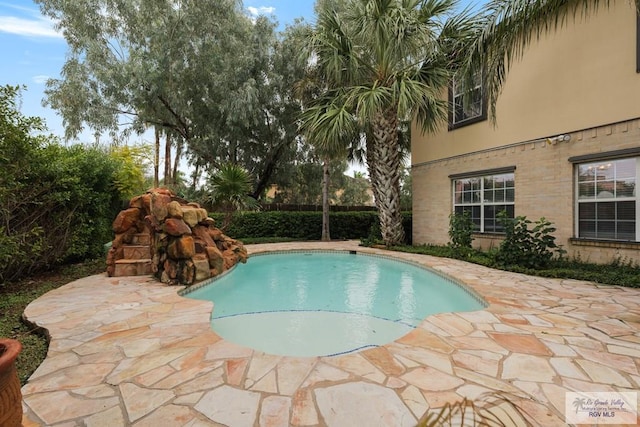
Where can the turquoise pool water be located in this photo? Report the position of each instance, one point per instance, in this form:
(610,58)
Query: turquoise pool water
(319,303)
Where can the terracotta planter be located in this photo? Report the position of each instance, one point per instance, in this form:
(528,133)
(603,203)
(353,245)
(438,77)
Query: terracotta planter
(10,394)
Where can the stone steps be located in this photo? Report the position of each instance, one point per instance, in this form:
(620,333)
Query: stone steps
(133,267)
(141,239)
(136,259)
(136,252)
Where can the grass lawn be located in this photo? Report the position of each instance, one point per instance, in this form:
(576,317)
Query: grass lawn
(14,298)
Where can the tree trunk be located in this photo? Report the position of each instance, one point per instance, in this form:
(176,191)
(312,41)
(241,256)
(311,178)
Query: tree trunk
(269,168)
(386,176)
(371,161)
(167,160)
(196,176)
(156,160)
(326,235)
(176,163)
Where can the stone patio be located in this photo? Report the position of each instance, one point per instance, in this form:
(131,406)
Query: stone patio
(129,351)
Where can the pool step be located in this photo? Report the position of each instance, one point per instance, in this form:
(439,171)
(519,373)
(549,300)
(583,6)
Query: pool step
(133,267)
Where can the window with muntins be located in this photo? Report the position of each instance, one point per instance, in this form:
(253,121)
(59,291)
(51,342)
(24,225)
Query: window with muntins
(484,197)
(466,106)
(607,202)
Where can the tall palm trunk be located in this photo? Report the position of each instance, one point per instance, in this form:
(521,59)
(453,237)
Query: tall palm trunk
(386,175)
(371,161)
(326,235)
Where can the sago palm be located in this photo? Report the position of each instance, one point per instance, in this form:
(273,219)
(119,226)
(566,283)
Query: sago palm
(385,62)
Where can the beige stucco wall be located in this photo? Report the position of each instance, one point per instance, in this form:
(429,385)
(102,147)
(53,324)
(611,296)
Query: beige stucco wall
(583,75)
(580,81)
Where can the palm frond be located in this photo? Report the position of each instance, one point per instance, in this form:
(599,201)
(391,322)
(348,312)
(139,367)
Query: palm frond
(230,186)
(370,100)
(409,92)
(432,112)
(488,410)
(329,123)
(333,49)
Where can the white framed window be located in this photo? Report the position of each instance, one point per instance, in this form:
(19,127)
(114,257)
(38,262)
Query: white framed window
(466,106)
(606,203)
(484,196)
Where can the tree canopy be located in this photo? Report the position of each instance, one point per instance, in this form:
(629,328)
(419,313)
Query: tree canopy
(199,70)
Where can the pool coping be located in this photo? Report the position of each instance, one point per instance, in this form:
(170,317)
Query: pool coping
(114,341)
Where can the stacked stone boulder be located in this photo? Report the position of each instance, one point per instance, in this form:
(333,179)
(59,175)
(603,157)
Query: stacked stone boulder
(184,246)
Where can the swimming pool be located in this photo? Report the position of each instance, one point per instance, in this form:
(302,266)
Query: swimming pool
(326,303)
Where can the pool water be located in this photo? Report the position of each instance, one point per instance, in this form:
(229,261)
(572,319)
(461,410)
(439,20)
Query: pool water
(323,303)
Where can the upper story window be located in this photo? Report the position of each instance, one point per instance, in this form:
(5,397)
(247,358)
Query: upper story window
(607,205)
(466,106)
(484,197)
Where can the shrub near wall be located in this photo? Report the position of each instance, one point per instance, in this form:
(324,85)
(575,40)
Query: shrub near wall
(303,225)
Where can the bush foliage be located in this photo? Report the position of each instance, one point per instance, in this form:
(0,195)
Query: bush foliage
(303,225)
(527,247)
(57,203)
(615,273)
(460,232)
(530,251)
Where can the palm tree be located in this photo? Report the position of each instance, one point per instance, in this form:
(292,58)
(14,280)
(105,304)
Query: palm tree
(386,62)
(308,90)
(230,187)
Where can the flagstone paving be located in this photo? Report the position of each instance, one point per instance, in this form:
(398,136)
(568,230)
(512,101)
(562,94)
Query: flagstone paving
(131,351)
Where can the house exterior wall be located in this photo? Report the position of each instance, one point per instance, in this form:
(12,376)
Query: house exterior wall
(580,81)
(544,188)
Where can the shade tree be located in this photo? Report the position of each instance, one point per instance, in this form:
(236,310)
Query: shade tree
(199,71)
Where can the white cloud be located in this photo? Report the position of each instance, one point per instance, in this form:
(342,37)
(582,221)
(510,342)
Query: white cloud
(262,10)
(40,79)
(39,27)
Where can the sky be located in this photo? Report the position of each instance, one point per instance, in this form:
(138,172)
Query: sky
(31,51)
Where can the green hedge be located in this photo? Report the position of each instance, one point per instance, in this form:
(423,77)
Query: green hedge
(58,210)
(304,225)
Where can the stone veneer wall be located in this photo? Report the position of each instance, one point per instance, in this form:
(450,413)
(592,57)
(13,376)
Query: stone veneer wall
(544,180)
(184,245)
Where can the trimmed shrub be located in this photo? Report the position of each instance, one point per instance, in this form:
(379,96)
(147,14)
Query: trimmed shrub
(303,225)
